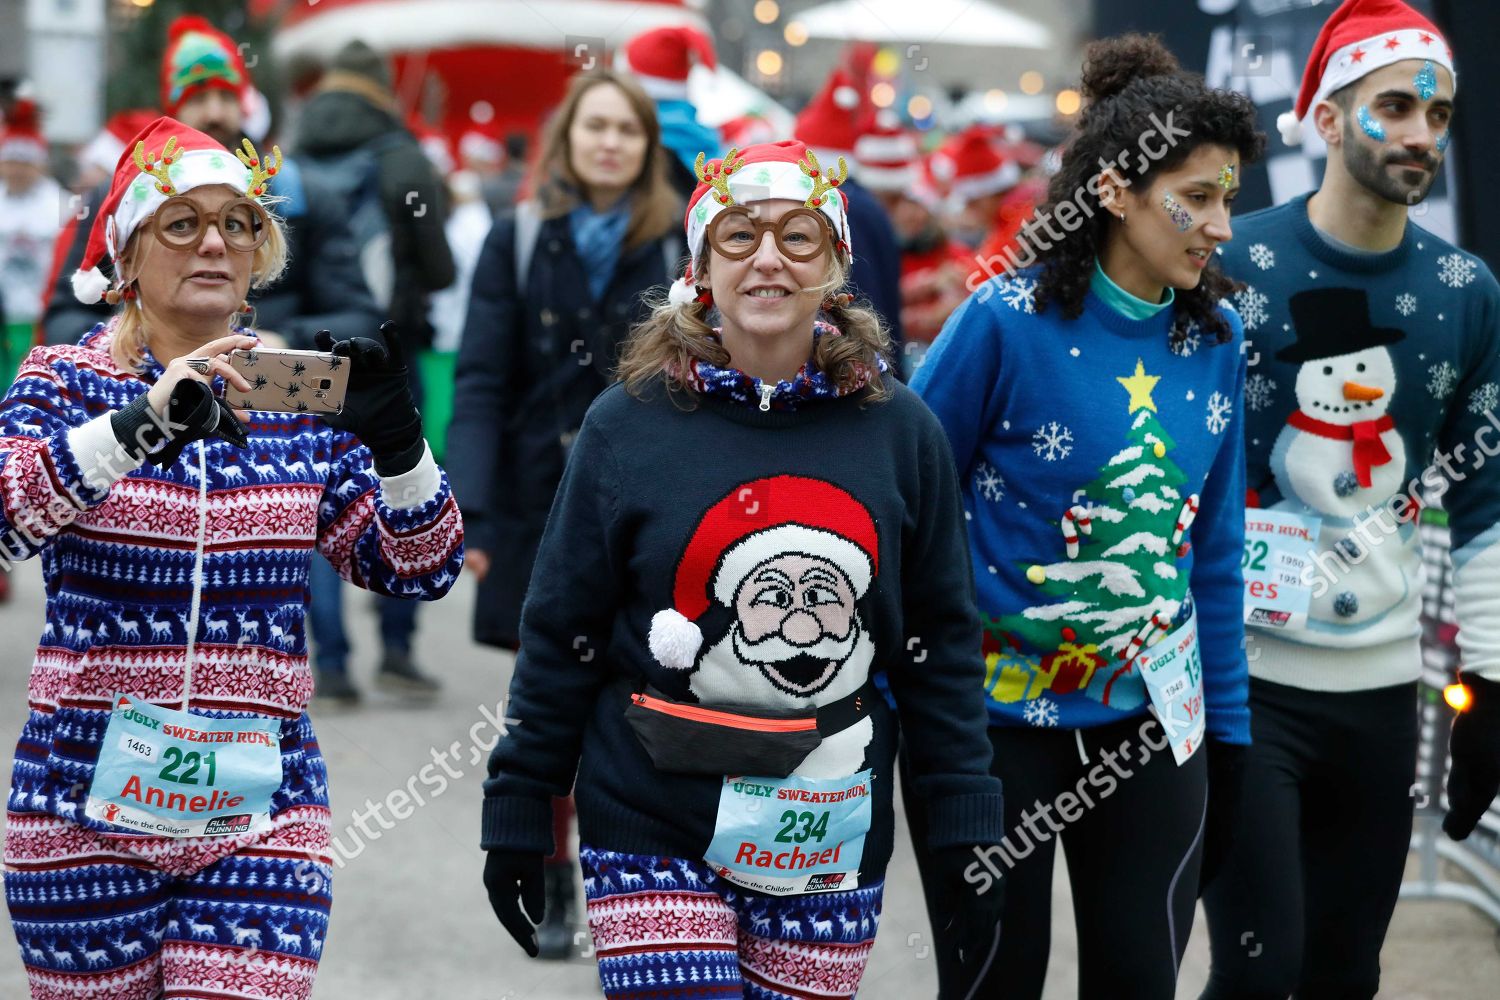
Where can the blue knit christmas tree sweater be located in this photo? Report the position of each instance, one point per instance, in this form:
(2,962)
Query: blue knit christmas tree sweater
(1101,461)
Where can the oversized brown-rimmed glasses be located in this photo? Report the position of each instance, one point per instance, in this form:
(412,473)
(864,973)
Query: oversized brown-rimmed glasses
(182,223)
(801,234)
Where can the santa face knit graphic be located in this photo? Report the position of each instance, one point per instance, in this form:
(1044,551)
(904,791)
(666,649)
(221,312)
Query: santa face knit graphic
(775,573)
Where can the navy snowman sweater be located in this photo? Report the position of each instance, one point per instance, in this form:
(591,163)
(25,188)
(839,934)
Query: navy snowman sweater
(1375,380)
(1101,467)
(836,511)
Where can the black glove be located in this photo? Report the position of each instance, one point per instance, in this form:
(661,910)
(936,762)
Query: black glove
(378,407)
(975,922)
(514,880)
(1474,745)
(193,413)
(1226,777)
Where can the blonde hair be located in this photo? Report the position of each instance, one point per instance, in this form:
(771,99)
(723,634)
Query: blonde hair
(654,206)
(668,342)
(127,349)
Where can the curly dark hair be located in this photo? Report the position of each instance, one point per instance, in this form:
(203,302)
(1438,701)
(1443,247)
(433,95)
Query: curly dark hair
(1128,81)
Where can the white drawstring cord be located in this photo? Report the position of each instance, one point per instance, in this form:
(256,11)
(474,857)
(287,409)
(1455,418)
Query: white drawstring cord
(1083,755)
(195,607)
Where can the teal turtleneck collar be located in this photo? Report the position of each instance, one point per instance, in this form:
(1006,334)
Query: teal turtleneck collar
(1122,301)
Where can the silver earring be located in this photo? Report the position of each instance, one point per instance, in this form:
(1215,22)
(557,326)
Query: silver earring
(1122,218)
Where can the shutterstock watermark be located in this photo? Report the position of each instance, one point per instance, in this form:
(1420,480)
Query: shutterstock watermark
(1038,234)
(1377,523)
(1070,805)
(446,766)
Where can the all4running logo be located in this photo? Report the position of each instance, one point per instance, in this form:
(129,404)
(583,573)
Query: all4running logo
(221,825)
(830,881)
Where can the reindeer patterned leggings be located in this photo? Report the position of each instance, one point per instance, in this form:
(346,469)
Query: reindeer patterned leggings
(671,928)
(98,918)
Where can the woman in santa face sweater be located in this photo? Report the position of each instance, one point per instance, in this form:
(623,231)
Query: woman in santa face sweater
(751,528)
(168,752)
(1093,405)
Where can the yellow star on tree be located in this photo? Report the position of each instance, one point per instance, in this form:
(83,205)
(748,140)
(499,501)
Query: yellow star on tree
(1139,386)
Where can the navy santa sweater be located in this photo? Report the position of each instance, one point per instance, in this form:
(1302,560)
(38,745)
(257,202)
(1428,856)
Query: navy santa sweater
(687,512)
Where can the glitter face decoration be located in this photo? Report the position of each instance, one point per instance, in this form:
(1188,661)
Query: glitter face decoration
(1442,140)
(1369,126)
(1226,176)
(1179,215)
(1425,81)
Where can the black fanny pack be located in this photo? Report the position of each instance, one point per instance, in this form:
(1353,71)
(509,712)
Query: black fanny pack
(689,738)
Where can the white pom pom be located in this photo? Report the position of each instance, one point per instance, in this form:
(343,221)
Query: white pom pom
(846,98)
(681,293)
(1290,128)
(89,286)
(674,640)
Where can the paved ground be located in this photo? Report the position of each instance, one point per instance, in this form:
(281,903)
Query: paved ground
(410,917)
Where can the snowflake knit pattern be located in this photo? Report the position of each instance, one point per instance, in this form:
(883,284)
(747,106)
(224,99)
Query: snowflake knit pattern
(1084,447)
(1342,341)
(121,574)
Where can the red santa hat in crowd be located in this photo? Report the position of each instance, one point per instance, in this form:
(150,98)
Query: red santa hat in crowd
(886,156)
(1357,39)
(199,57)
(662,58)
(21,138)
(103,151)
(481,144)
(973,167)
(166,158)
(747,130)
(757,521)
(786,169)
(835,118)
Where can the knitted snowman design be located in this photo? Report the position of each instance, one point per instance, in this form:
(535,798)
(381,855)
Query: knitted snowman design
(1340,457)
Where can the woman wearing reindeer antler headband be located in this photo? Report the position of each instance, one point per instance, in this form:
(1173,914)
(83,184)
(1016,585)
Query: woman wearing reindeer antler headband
(168,752)
(752,528)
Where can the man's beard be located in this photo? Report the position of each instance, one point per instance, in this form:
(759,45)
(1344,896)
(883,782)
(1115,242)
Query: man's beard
(796,670)
(1369,168)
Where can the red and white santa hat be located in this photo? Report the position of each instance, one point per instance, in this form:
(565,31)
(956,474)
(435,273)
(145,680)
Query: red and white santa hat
(835,118)
(103,151)
(757,521)
(785,169)
(662,58)
(974,167)
(1357,39)
(886,157)
(21,138)
(165,158)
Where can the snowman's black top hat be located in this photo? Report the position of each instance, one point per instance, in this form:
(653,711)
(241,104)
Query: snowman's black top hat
(1333,321)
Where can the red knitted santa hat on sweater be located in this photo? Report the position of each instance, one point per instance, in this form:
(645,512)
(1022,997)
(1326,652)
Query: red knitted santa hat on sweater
(1357,39)
(757,521)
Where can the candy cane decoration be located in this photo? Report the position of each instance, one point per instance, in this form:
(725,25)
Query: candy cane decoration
(1147,631)
(1075,520)
(1185,517)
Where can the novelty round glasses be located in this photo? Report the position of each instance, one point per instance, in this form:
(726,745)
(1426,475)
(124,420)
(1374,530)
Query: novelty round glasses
(182,223)
(801,234)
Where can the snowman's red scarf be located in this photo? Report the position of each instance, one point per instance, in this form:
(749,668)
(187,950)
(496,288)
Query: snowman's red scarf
(1369,450)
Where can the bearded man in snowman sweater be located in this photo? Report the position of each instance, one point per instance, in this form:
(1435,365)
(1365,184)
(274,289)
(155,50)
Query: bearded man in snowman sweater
(1373,390)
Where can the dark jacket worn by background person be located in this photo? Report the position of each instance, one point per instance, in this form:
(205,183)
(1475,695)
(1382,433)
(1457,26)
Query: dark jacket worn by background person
(336,123)
(876,274)
(321,288)
(529,366)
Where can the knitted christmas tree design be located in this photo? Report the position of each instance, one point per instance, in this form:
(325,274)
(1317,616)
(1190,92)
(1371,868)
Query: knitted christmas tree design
(1116,585)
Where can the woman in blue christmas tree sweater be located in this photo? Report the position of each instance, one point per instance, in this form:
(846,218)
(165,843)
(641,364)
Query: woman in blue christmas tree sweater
(1092,402)
(168,753)
(757,523)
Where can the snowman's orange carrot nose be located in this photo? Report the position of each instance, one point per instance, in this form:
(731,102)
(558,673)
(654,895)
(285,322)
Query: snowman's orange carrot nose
(1353,390)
